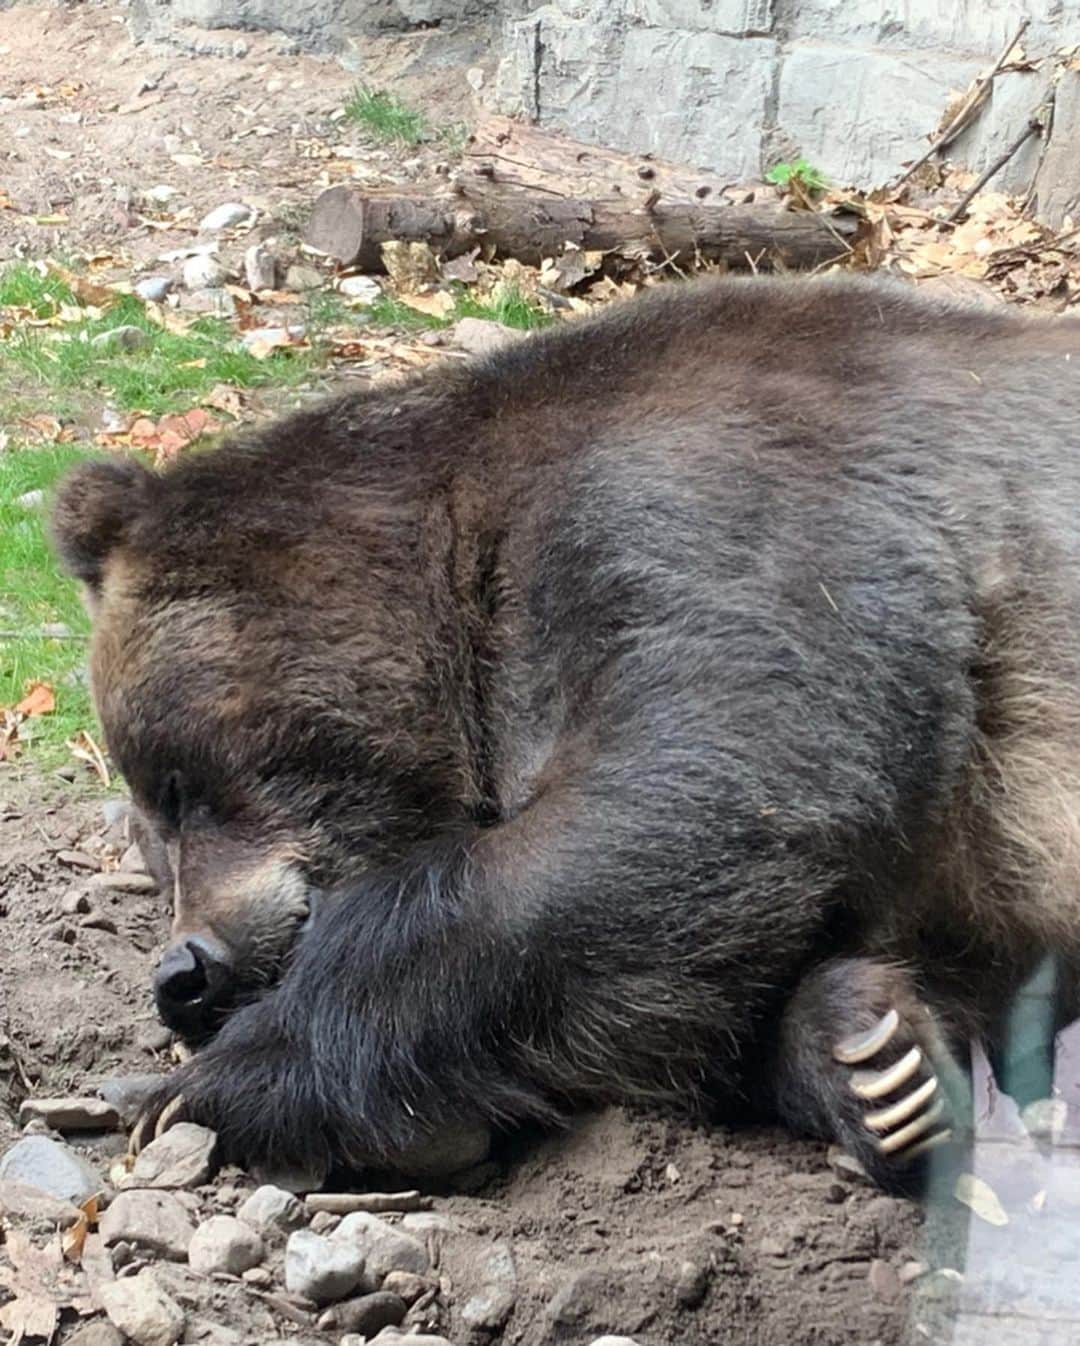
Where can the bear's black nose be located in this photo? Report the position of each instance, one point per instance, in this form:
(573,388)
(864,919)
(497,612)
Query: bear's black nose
(191,983)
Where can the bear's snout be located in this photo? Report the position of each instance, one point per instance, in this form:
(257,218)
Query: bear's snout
(192,984)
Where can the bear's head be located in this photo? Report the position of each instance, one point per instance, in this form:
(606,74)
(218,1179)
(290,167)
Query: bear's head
(270,680)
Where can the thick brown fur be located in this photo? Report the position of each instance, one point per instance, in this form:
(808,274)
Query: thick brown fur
(610,685)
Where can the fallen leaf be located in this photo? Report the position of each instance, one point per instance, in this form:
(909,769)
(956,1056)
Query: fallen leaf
(438,304)
(980,1198)
(39,700)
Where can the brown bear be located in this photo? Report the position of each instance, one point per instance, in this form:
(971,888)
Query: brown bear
(682,705)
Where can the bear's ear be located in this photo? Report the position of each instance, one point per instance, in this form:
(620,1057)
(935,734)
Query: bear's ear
(95,506)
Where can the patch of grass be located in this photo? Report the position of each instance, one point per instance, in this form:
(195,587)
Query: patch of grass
(165,371)
(800,173)
(34,594)
(387,311)
(385,117)
(507,305)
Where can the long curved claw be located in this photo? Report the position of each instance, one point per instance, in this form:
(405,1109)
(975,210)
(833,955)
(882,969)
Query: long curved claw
(902,1111)
(930,1143)
(915,1130)
(151,1125)
(861,1047)
(873,1085)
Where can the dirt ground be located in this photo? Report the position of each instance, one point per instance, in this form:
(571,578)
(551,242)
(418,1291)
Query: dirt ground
(634,1225)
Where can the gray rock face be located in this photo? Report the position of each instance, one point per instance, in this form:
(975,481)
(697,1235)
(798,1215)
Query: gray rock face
(39,1161)
(382,1248)
(142,1311)
(153,1221)
(320,1268)
(183,1157)
(272,1210)
(95,1332)
(20,1204)
(224,1243)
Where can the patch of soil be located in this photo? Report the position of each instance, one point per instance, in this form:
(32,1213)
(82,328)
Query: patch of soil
(635,1225)
(91,122)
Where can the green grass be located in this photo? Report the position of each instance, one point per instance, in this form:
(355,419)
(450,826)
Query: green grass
(33,594)
(385,117)
(800,173)
(169,371)
(508,306)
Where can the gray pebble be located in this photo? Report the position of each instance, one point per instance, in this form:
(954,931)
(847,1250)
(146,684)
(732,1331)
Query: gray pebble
(153,289)
(227,215)
(320,1269)
(185,1156)
(153,1221)
(382,1248)
(127,337)
(71,1114)
(224,1243)
(272,1209)
(40,1161)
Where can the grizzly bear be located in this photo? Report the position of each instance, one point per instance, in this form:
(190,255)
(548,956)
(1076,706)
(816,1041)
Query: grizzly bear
(682,705)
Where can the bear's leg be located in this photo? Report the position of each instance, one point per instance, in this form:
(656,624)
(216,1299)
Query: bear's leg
(863,1060)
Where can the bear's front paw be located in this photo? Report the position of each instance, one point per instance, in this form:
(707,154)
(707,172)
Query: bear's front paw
(252,1086)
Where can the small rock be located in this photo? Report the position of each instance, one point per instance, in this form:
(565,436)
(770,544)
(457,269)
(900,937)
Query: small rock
(224,1243)
(20,1203)
(71,1114)
(116,881)
(691,1284)
(323,1222)
(382,1248)
(132,861)
(153,1221)
(161,193)
(204,272)
(75,903)
(183,1157)
(884,1281)
(271,1209)
(912,1271)
(260,268)
(846,1166)
(481,336)
(613,1341)
(96,1332)
(126,337)
(364,288)
(30,499)
(772,1247)
(259,1277)
(139,1307)
(47,1164)
(78,860)
(154,289)
(576,1300)
(97,921)
(274,336)
(367,1315)
(227,215)
(321,1269)
(299,277)
(213,300)
(153,1038)
(407,1285)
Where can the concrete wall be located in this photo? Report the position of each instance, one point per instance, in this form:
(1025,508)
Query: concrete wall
(855,86)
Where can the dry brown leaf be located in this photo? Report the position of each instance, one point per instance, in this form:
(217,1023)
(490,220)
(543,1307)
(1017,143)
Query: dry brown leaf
(73,1242)
(436,304)
(85,291)
(40,699)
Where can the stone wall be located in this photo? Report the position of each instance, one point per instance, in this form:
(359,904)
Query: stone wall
(854,86)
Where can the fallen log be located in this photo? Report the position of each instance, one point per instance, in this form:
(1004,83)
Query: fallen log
(526,193)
